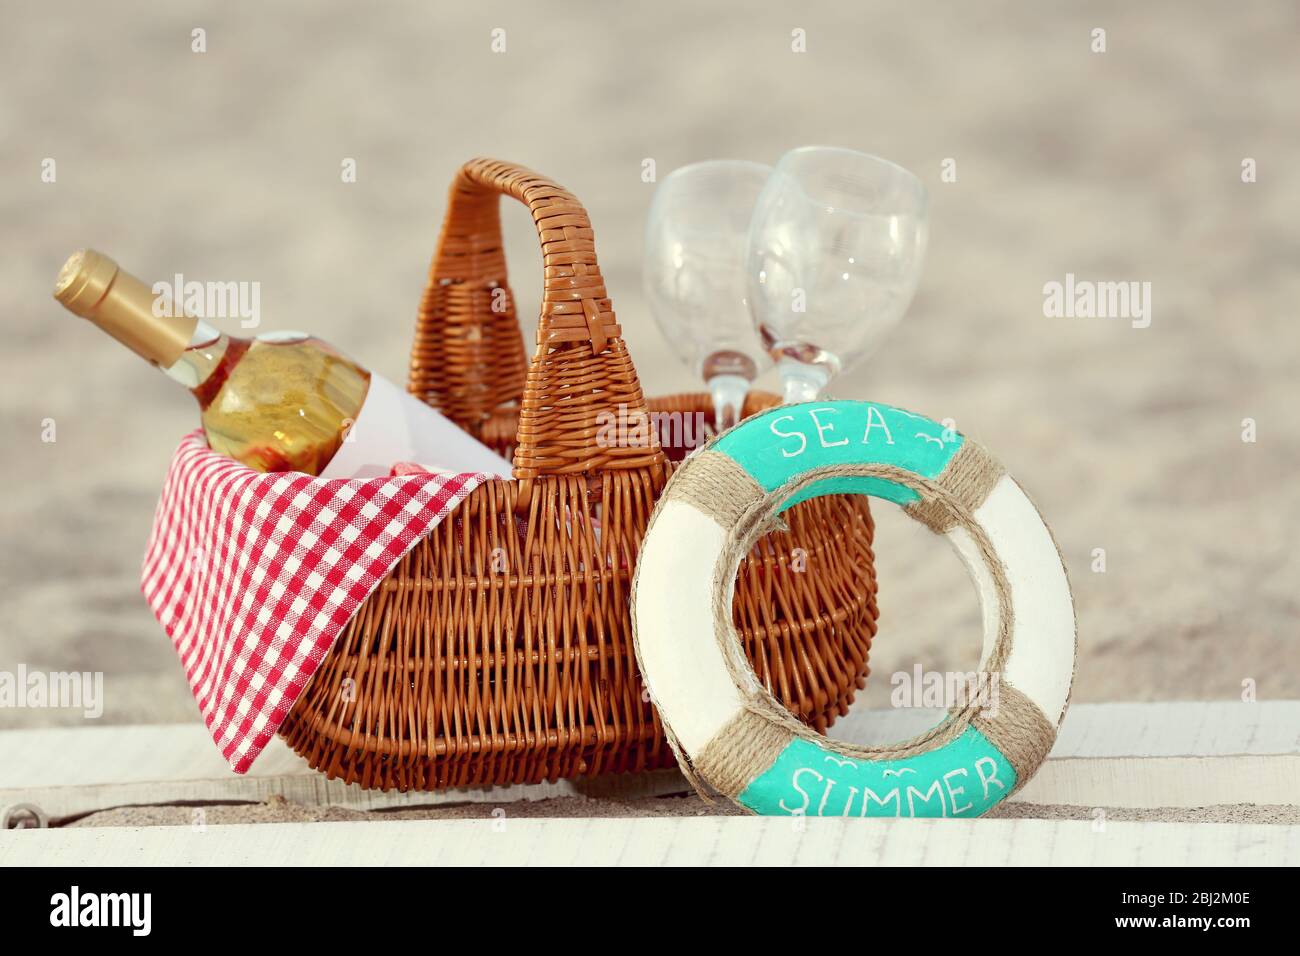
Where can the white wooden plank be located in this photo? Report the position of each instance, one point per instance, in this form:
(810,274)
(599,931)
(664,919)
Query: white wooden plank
(1222,752)
(1190,728)
(1145,729)
(97,768)
(664,840)
(1146,782)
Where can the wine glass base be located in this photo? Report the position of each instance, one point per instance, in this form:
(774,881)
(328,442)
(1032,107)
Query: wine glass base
(728,393)
(802,382)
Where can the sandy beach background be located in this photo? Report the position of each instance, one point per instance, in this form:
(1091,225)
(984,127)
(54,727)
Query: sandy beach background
(1122,165)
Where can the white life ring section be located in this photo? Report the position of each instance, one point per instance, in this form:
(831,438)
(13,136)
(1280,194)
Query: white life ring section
(730,733)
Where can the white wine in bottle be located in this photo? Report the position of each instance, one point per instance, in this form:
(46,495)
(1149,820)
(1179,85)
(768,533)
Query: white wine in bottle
(283,401)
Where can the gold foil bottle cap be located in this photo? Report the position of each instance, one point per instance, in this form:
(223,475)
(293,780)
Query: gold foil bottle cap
(91,285)
(84,280)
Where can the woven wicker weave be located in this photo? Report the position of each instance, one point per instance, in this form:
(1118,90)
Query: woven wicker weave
(499,650)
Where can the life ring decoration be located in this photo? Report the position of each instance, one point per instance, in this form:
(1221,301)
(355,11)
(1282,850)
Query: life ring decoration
(730,733)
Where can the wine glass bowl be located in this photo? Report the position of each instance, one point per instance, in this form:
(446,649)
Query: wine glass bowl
(695,278)
(833,258)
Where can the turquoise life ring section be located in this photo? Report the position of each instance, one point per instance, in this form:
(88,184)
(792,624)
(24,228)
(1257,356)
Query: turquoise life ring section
(794,439)
(964,777)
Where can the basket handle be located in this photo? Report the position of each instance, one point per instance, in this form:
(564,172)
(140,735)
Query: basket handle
(580,374)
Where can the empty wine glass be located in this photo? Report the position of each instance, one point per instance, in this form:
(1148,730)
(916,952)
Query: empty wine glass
(834,256)
(694,272)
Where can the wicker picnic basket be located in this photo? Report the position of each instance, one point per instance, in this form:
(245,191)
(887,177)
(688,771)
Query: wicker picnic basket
(499,650)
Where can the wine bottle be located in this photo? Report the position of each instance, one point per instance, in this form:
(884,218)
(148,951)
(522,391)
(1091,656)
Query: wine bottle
(283,401)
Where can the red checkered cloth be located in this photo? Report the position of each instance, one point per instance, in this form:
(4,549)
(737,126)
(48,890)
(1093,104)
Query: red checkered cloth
(253,576)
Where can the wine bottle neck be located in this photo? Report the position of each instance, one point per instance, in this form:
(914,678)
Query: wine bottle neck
(207,351)
(92,286)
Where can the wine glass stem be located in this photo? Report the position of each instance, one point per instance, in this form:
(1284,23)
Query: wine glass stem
(728,393)
(802,382)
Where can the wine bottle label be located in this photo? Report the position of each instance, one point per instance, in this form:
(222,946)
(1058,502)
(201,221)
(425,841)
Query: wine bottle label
(395,426)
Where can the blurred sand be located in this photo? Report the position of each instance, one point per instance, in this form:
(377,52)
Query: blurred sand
(1123,166)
